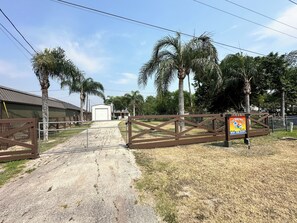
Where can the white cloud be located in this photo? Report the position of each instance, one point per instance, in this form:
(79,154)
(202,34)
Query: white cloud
(14,71)
(229,29)
(86,52)
(126,78)
(289,16)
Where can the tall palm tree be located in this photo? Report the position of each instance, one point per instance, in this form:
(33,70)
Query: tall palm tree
(50,63)
(84,86)
(134,98)
(240,68)
(171,58)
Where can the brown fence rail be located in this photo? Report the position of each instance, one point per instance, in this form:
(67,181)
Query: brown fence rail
(18,139)
(172,130)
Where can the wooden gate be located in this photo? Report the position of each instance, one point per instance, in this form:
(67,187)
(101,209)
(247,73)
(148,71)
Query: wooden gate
(18,139)
(171,130)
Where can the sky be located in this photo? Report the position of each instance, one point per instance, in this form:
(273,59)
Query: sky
(112,50)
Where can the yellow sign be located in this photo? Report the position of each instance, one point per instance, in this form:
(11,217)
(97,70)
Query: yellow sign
(237,125)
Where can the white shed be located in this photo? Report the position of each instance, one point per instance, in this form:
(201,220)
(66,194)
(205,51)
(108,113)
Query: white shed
(101,112)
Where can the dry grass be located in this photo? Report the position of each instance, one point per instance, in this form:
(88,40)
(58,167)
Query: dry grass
(211,183)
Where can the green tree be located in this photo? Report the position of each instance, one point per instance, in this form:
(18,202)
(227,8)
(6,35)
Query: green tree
(276,67)
(84,86)
(171,58)
(239,68)
(49,64)
(135,99)
(207,88)
(149,106)
(119,102)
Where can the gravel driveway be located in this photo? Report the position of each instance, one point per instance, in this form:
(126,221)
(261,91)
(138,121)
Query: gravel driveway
(73,183)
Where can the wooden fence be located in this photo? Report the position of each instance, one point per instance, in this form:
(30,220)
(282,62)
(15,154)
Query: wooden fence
(18,139)
(172,130)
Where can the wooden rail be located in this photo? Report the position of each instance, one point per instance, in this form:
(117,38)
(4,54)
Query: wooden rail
(18,139)
(154,131)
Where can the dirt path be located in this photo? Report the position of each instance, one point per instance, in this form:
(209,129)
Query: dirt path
(77,184)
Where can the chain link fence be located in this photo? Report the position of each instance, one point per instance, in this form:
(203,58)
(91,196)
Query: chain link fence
(285,124)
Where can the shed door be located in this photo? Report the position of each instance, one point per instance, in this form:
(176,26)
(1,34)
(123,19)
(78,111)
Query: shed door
(101,114)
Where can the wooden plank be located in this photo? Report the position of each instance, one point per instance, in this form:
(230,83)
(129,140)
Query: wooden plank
(260,123)
(175,116)
(208,135)
(149,130)
(5,153)
(18,157)
(152,127)
(15,130)
(16,143)
(175,143)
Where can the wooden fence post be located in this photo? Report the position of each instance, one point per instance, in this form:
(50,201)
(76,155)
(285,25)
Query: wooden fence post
(129,132)
(247,135)
(176,129)
(214,126)
(227,142)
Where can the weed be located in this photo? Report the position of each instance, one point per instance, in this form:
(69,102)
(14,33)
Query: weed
(64,206)
(11,169)
(30,170)
(208,182)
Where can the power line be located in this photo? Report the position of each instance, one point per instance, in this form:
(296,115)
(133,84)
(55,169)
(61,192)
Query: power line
(247,20)
(14,43)
(112,90)
(15,38)
(70,4)
(261,14)
(293,2)
(18,30)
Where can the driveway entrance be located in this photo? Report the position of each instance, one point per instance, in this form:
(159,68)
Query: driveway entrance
(74,183)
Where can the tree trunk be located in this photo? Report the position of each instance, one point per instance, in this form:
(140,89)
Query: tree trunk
(190,93)
(134,108)
(82,103)
(247,103)
(181,103)
(45,113)
(87,108)
(247,92)
(283,113)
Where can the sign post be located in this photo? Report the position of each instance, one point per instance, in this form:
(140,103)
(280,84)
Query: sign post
(227,142)
(237,125)
(247,135)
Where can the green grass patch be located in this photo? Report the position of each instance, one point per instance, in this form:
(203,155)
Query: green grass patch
(10,169)
(60,137)
(281,134)
(123,129)
(158,180)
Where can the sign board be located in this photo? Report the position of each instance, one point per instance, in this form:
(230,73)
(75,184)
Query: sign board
(237,125)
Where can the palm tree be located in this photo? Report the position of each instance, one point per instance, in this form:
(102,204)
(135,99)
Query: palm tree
(171,58)
(84,86)
(240,68)
(134,98)
(51,63)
